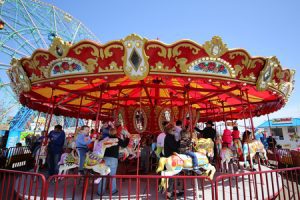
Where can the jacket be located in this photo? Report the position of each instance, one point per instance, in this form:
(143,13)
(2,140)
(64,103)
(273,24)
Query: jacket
(113,151)
(56,141)
(209,132)
(82,141)
(227,138)
(236,134)
(170,145)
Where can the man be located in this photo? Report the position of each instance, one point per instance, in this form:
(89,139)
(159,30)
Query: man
(82,142)
(55,147)
(208,131)
(111,156)
(105,130)
(160,142)
(178,129)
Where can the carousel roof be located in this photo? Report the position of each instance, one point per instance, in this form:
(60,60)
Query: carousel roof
(220,83)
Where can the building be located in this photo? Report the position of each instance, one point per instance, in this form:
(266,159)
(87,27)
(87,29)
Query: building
(286,131)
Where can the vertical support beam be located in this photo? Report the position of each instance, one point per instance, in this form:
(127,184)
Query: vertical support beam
(231,115)
(241,93)
(224,118)
(36,123)
(98,111)
(78,114)
(250,112)
(51,114)
(190,112)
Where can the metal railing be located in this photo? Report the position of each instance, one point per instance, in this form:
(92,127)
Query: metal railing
(271,184)
(21,185)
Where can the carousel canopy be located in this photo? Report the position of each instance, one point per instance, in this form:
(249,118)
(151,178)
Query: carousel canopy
(86,78)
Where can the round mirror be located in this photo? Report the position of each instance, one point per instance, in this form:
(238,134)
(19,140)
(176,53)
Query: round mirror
(164,116)
(140,120)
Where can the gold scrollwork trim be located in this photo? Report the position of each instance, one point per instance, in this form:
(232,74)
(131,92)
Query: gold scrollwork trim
(59,43)
(163,51)
(177,52)
(159,66)
(215,47)
(78,49)
(108,53)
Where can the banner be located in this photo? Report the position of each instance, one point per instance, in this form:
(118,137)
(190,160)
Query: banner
(13,138)
(229,123)
(282,121)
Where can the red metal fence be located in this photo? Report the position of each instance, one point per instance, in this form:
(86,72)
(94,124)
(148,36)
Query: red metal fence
(21,185)
(279,184)
(129,187)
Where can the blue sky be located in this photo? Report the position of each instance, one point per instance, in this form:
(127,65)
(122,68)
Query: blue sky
(262,27)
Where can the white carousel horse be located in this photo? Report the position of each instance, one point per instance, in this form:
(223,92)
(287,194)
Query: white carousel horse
(132,148)
(67,161)
(177,162)
(251,148)
(41,154)
(93,160)
(227,154)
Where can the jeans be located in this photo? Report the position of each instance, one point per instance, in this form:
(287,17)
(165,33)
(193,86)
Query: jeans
(53,160)
(82,156)
(112,163)
(194,158)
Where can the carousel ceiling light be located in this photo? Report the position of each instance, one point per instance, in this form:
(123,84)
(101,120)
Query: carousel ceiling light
(209,80)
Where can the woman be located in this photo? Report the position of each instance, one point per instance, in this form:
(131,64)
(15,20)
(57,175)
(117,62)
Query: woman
(111,156)
(170,146)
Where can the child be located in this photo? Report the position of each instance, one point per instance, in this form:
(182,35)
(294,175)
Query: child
(186,148)
(227,138)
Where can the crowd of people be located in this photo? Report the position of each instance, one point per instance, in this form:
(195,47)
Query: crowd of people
(175,138)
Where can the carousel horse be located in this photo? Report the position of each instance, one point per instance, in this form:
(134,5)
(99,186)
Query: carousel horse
(41,154)
(226,153)
(238,146)
(68,161)
(206,144)
(177,162)
(93,160)
(131,150)
(219,144)
(251,148)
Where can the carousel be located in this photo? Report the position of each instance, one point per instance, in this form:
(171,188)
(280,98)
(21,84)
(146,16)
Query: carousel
(141,83)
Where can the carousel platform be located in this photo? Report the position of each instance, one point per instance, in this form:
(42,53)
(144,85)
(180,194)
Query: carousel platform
(240,187)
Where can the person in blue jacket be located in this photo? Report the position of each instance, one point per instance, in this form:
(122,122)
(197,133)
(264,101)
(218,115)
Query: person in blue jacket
(82,142)
(56,140)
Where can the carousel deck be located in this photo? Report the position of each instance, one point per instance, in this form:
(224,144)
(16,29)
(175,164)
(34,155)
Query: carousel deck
(234,189)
